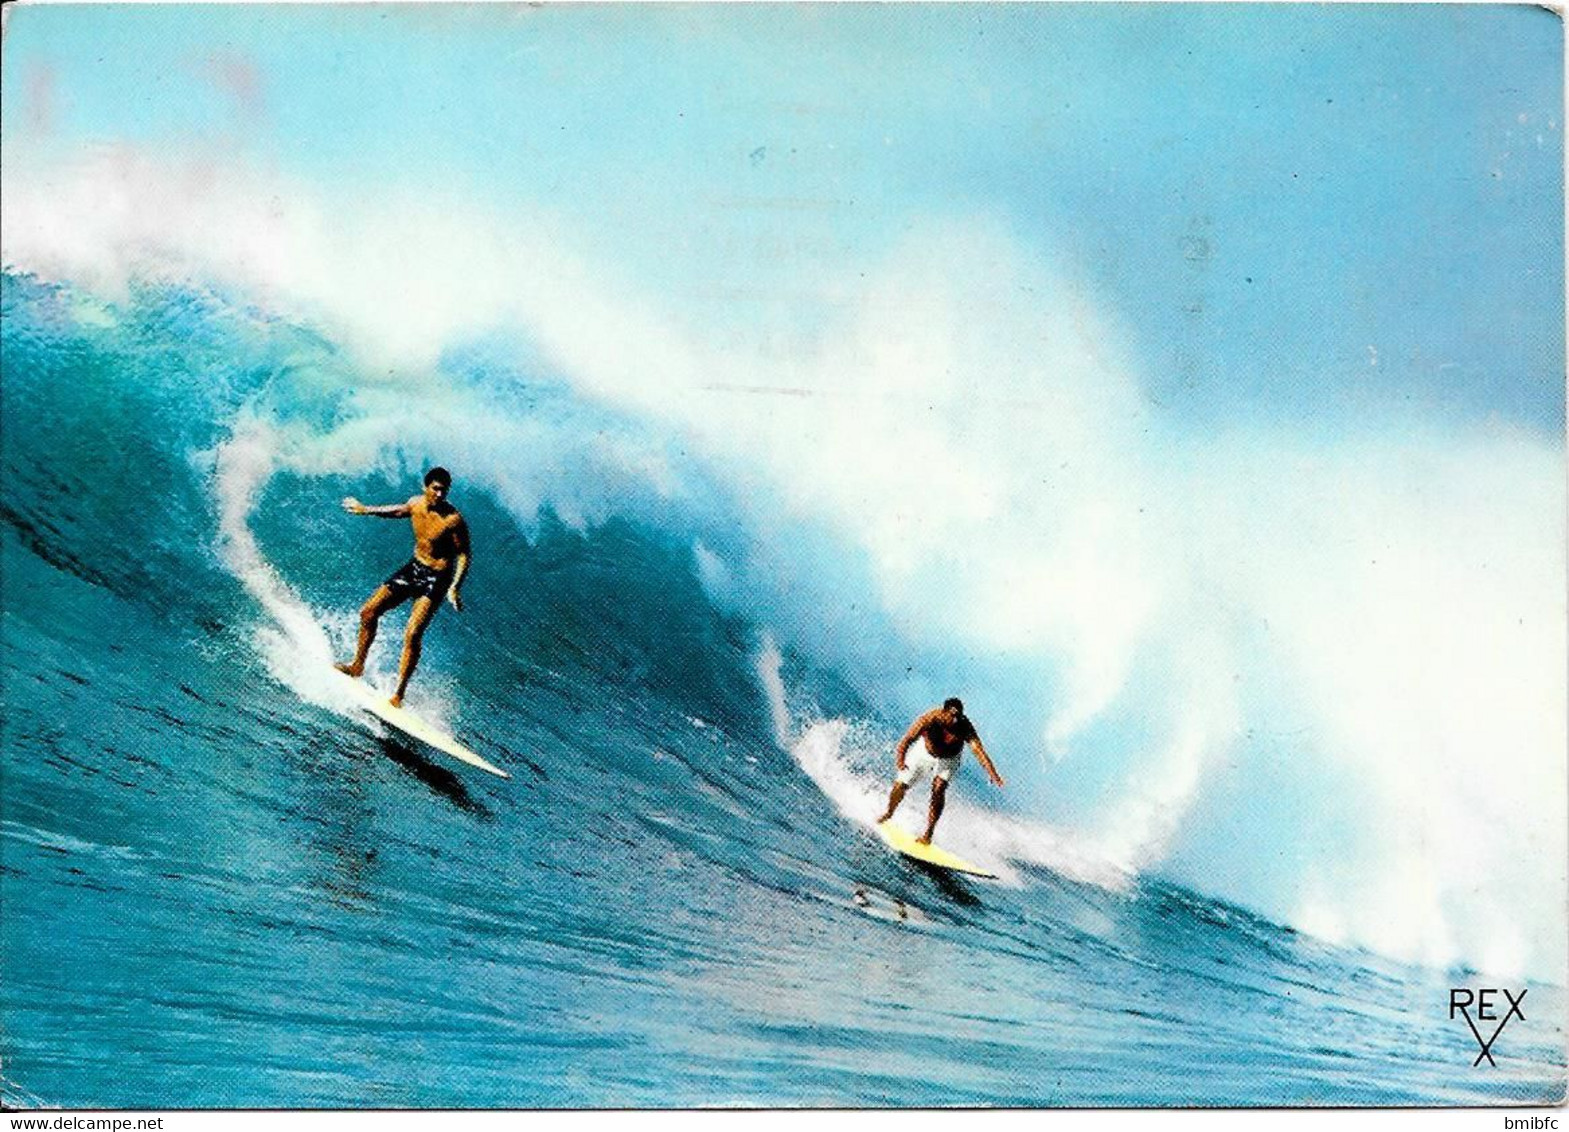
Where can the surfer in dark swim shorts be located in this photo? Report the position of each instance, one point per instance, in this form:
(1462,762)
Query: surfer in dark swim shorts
(441,559)
(415,579)
(945,731)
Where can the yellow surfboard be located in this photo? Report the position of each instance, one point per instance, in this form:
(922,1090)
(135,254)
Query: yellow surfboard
(404,720)
(903,841)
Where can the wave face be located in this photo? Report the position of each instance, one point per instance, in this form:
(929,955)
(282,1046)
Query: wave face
(223,888)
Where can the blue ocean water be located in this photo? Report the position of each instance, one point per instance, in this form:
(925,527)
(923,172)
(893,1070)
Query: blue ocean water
(218,890)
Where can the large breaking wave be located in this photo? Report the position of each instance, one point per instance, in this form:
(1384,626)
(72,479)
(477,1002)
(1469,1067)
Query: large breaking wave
(1315,673)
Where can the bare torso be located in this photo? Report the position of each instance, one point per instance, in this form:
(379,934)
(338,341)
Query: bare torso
(439,532)
(946,740)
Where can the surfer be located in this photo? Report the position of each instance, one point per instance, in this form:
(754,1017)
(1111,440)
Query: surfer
(945,731)
(441,559)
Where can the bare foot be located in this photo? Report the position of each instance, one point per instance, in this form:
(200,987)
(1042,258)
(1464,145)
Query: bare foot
(924,839)
(396,701)
(353,670)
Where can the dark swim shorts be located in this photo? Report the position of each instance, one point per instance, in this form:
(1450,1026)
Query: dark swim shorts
(415,579)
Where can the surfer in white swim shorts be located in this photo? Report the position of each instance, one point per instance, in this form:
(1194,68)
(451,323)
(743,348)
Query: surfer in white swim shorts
(945,731)
(441,559)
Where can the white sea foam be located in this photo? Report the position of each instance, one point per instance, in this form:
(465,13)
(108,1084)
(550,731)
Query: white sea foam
(293,642)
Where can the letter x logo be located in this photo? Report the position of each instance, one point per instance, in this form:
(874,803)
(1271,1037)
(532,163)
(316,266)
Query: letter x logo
(1461,998)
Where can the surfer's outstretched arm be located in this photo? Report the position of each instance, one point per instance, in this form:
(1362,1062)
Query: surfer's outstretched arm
(384,511)
(985,760)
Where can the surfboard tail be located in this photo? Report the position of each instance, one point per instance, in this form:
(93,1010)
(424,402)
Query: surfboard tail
(375,702)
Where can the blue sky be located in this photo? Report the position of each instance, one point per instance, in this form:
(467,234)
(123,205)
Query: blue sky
(1300,213)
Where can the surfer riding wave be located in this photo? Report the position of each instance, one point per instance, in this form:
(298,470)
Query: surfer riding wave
(945,731)
(440,562)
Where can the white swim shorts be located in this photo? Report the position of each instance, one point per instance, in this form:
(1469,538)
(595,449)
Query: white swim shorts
(918,763)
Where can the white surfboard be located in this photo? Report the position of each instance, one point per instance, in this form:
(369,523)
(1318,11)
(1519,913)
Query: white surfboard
(375,701)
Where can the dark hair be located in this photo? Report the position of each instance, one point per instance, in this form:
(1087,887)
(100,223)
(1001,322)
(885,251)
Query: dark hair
(955,703)
(438,475)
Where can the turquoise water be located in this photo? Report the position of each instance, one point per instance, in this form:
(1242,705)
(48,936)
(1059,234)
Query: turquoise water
(218,890)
